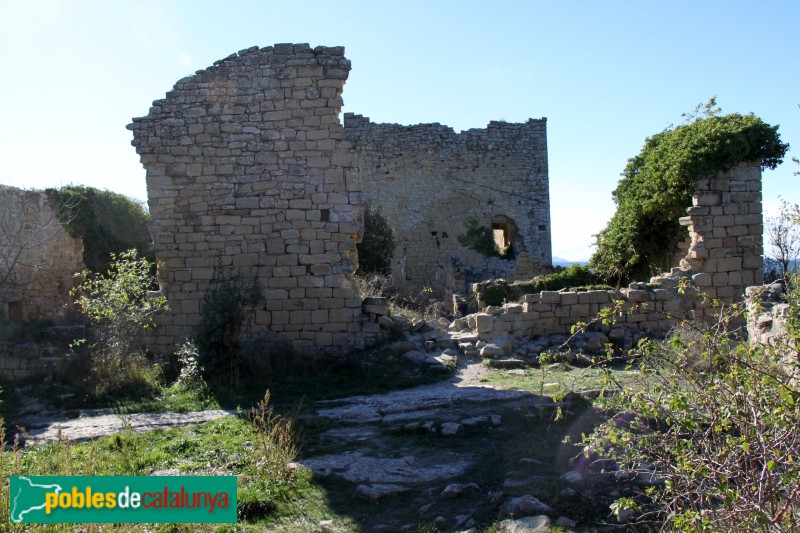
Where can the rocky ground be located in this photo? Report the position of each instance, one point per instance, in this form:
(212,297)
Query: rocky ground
(457,455)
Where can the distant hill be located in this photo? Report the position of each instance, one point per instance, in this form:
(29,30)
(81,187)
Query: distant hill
(560,261)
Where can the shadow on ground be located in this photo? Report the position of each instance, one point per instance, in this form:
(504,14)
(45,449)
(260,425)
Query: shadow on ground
(450,456)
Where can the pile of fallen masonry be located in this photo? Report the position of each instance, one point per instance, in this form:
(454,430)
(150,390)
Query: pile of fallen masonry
(438,342)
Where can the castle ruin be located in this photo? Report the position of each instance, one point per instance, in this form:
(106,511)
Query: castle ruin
(38,258)
(249,169)
(430,182)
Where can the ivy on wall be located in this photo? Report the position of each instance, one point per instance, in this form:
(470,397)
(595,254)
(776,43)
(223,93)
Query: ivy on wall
(658,184)
(108,222)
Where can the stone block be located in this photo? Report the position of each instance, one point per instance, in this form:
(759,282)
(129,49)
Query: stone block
(568,298)
(484,323)
(550,297)
(729,264)
(599,297)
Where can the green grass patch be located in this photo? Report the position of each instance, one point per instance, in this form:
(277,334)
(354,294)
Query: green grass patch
(272,494)
(559,379)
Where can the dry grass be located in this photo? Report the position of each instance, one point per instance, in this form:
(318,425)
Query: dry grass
(275,442)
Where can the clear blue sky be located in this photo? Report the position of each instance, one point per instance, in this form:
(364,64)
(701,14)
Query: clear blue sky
(606,74)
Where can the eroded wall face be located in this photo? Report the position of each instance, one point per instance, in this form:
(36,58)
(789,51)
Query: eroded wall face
(726,232)
(429,182)
(38,259)
(249,171)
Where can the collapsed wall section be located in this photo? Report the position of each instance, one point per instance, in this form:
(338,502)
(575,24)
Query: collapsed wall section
(726,233)
(430,182)
(724,257)
(38,258)
(249,172)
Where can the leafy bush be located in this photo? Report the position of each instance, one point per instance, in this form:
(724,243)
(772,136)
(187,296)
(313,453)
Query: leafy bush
(658,184)
(223,317)
(109,223)
(493,292)
(571,277)
(121,309)
(376,249)
(714,426)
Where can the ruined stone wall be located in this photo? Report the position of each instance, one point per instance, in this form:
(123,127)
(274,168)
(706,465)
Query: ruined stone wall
(38,259)
(726,232)
(429,181)
(724,257)
(249,170)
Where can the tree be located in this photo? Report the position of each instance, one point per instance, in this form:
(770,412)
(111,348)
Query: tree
(121,309)
(783,238)
(376,249)
(658,183)
(119,302)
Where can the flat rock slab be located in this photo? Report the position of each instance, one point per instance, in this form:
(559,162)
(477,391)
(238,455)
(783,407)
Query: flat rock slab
(94,424)
(392,406)
(358,467)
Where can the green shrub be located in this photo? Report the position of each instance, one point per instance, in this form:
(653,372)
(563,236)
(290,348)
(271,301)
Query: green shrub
(493,292)
(574,277)
(121,309)
(376,249)
(224,316)
(712,427)
(188,357)
(108,223)
(658,184)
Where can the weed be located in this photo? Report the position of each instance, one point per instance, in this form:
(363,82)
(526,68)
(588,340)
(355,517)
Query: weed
(275,445)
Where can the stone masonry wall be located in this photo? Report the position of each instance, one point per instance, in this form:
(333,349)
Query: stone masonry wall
(724,257)
(248,170)
(726,230)
(428,181)
(37,257)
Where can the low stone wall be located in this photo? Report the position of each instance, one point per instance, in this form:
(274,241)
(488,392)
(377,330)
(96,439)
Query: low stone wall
(651,310)
(767,313)
(30,359)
